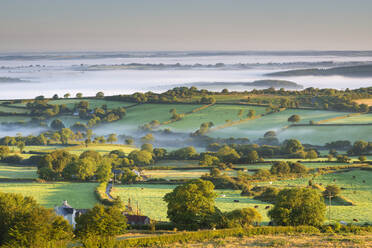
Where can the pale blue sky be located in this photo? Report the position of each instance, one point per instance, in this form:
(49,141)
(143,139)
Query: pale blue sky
(42,25)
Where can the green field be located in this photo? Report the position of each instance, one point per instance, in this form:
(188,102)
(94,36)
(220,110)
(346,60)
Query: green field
(103,149)
(176,163)
(355,190)
(4,108)
(357,119)
(12,118)
(142,114)
(181,174)
(79,195)
(21,172)
(150,199)
(319,135)
(257,128)
(218,114)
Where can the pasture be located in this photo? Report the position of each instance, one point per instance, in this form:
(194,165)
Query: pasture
(4,108)
(357,186)
(78,195)
(319,135)
(218,114)
(150,199)
(255,129)
(181,174)
(14,118)
(17,172)
(354,119)
(141,115)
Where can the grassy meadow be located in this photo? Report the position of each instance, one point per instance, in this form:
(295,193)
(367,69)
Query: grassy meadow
(79,195)
(150,199)
(17,172)
(218,114)
(358,189)
(255,129)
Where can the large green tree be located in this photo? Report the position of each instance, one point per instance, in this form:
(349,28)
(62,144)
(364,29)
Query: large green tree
(24,223)
(191,205)
(298,206)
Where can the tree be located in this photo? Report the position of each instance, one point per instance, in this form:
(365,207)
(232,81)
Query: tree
(129,141)
(100,94)
(191,204)
(4,151)
(312,154)
(79,95)
(51,165)
(251,113)
(112,138)
(66,135)
(141,157)
(86,168)
(362,158)
(331,191)
(67,95)
(20,146)
(147,138)
(292,146)
(228,154)
(103,172)
(24,223)
(209,160)
(298,206)
(147,147)
(244,217)
(128,176)
(57,124)
(101,221)
(359,147)
(280,168)
(252,157)
(294,118)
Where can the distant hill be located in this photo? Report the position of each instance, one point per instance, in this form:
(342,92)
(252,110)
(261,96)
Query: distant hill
(259,84)
(11,80)
(347,71)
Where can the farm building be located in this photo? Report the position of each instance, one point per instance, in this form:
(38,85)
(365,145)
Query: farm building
(69,213)
(137,219)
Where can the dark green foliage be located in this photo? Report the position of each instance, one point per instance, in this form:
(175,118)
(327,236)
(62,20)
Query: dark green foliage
(191,205)
(52,165)
(101,221)
(299,206)
(244,217)
(24,223)
(57,124)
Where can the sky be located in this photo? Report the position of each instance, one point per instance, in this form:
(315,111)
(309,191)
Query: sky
(165,25)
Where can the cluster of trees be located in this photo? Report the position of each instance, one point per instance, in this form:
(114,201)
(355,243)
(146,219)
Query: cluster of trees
(40,107)
(63,165)
(175,95)
(98,115)
(192,206)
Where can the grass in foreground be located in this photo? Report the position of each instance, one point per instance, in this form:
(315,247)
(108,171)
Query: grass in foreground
(298,240)
(78,195)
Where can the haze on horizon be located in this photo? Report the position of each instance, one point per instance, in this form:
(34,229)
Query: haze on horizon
(113,25)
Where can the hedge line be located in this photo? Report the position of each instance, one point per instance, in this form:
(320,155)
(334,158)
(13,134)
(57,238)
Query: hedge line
(101,195)
(186,237)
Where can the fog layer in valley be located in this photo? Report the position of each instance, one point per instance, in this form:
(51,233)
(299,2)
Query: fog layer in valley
(48,74)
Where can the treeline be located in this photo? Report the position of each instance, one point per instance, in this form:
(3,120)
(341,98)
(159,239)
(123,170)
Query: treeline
(328,99)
